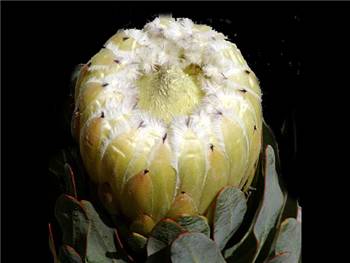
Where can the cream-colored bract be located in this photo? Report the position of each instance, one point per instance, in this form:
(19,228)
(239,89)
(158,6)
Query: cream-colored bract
(173,87)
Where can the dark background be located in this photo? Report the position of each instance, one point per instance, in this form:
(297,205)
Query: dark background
(43,42)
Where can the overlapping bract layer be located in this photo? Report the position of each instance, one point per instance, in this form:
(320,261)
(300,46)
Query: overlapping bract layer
(165,118)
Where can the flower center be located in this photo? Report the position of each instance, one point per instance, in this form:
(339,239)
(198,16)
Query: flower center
(170,91)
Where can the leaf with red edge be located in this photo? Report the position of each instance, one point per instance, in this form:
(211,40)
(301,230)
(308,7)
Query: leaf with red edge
(52,245)
(56,164)
(194,224)
(70,181)
(290,209)
(137,242)
(162,256)
(269,139)
(265,218)
(162,235)
(280,258)
(73,221)
(68,172)
(195,247)
(69,255)
(120,246)
(288,241)
(230,207)
(101,246)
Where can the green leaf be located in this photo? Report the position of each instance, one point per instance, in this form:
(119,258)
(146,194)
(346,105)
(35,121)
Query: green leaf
(272,200)
(57,171)
(269,138)
(281,258)
(122,233)
(253,204)
(162,235)
(289,240)
(162,256)
(84,230)
(70,181)
(137,242)
(73,221)
(244,251)
(266,216)
(101,246)
(52,245)
(196,248)
(267,247)
(81,178)
(56,164)
(289,237)
(68,171)
(154,245)
(68,254)
(230,208)
(290,209)
(194,224)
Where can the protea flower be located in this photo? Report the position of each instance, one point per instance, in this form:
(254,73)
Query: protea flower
(169,124)
(167,116)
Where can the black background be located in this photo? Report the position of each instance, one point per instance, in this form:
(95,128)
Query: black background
(43,42)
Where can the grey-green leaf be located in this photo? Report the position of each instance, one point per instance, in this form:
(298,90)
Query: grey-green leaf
(56,164)
(162,235)
(267,214)
(52,245)
(68,254)
(269,139)
(290,208)
(73,221)
(70,181)
(101,246)
(230,208)
(272,200)
(289,239)
(137,242)
(162,256)
(154,245)
(194,224)
(281,258)
(196,248)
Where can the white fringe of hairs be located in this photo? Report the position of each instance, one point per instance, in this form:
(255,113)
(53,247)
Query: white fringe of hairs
(177,36)
(121,121)
(198,124)
(221,101)
(237,97)
(139,35)
(149,128)
(134,119)
(125,57)
(112,108)
(211,86)
(180,33)
(214,120)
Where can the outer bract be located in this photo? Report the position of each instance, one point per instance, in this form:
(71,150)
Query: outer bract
(165,118)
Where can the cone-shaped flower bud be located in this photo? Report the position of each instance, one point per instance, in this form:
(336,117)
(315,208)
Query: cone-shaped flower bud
(165,117)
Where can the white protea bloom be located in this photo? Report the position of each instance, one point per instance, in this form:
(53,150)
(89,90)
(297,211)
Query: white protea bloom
(165,117)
